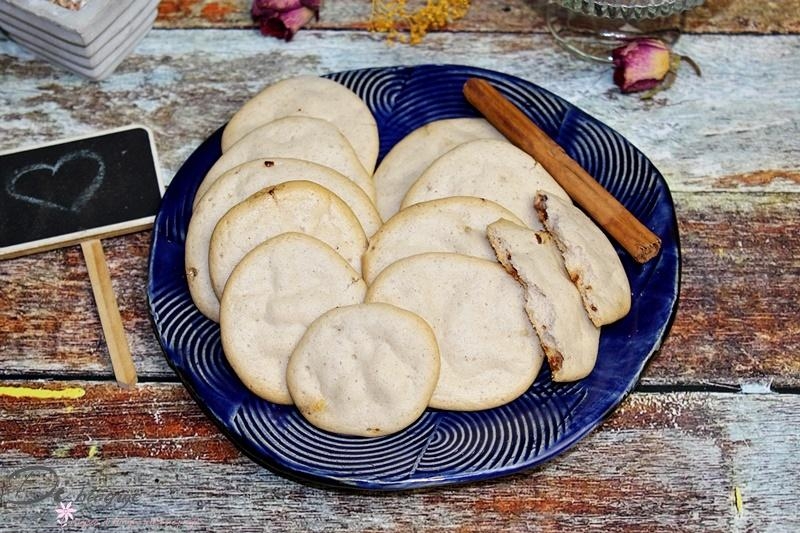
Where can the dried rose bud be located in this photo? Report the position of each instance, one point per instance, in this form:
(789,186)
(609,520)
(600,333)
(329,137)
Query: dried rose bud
(641,64)
(646,64)
(282,18)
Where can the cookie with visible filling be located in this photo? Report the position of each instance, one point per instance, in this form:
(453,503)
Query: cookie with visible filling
(590,259)
(569,339)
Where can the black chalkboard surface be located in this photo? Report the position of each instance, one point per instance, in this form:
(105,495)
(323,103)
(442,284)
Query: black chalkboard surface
(66,192)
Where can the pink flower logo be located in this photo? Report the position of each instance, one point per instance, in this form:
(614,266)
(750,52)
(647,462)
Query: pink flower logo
(65,513)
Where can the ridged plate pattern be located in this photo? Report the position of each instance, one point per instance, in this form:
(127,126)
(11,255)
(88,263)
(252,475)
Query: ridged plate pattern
(441,447)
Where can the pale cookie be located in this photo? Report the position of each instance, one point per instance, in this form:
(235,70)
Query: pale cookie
(491,169)
(299,206)
(234,187)
(416,151)
(569,338)
(366,370)
(273,295)
(590,258)
(456,224)
(489,351)
(310,96)
(309,139)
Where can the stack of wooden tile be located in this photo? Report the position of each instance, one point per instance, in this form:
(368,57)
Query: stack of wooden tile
(90,41)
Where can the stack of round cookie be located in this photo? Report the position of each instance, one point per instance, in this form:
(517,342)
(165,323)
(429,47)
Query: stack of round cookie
(363,324)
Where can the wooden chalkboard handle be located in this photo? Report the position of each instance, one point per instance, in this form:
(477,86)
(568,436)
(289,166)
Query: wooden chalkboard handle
(106,300)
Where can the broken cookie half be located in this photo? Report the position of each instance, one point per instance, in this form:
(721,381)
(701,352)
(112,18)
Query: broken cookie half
(568,337)
(589,257)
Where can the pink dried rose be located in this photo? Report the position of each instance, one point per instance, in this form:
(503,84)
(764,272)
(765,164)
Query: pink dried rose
(646,64)
(282,18)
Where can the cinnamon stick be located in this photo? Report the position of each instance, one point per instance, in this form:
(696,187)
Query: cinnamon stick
(584,190)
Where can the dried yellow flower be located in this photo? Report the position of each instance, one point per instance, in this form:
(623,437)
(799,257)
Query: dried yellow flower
(394,17)
(737,500)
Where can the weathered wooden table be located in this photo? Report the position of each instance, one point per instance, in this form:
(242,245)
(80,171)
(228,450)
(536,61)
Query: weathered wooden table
(715,415)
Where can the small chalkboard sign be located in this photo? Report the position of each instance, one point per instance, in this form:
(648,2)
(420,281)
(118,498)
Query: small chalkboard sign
(77,191)
(66,192)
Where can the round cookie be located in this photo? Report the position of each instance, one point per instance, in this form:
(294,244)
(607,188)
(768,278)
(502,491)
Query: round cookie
(299,206)
(489,351)
(310,96)
(234,187)
(366,370)
(309,139)
(274,294)
(495,170)
(456,224)
(416,151)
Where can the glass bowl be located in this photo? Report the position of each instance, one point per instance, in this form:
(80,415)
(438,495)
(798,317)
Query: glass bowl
(590,29)
(628,9)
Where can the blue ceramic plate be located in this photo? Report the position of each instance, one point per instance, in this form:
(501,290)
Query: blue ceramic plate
(441,447)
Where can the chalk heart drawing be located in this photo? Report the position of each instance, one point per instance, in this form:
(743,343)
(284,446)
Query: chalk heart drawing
(78,201)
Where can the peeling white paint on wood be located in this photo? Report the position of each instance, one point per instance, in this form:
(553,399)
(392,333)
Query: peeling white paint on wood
(741,116)
(663,461)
